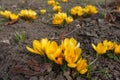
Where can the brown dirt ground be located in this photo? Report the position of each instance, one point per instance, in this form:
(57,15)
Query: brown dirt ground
(86,31)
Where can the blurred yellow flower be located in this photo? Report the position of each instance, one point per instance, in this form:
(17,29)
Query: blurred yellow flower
(13,17)
(71,56)
(119,8)
(44,42)
(9,15)
(90,9)
(39,46)
(57,8)
(59,18)
(69,19)
(117,49)
(42,11)
(51,2)
(72,43)
(36,47)
(54,52)
(77,11)
(50,50)
(28,14)
(64,0)
(71,51)
(82,66)
(5,14)
(56,3)
(109,44)
(100,48)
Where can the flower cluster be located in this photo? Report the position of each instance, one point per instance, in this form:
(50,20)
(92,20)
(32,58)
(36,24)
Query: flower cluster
(51,2)
(9,15)
(42,11)
(64,0)
(55,5)
(89,9)
(68,51)
(28,14)
(25,14)
(60,18)
(105,46)
(57,8)
(79,11)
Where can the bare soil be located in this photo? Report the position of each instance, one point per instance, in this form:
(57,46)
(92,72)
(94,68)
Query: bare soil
(16,61)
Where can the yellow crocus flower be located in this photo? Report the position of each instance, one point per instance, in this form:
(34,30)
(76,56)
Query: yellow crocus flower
(13,17)
(58,56)
(109,44)
(28,14)
(39,46)
(32,14)
(42,11)
(56,3)
(51,2)
(50,50)
(117,49)
(82,66)
(44,42)
(69,20)
(90,9)
(77,11)
(59,18)
(57,8)
(69,43)
(36,48)
(23,13)
(54,52)
(64,0)
(71,56)
(5,13)
(100,48)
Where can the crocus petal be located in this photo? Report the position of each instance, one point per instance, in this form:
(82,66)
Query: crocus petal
(81,66)
(37,46)
(59,60)
(77,53)
(32,50)
(73,41)
(117,49)
(83,71)
(94,47)
(72,65)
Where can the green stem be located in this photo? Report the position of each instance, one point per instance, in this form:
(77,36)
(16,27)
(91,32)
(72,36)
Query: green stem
(64,67)
(94,60)
(46,59)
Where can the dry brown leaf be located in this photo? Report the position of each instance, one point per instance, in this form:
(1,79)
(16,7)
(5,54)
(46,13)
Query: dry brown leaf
(67,75)
(109,17)
(33,65)
(31,68)
(19,69)
(11,22)
(62,36)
